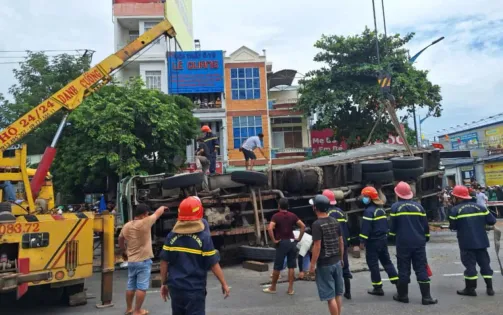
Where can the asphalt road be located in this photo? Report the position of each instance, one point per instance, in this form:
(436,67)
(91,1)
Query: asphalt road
(247,297)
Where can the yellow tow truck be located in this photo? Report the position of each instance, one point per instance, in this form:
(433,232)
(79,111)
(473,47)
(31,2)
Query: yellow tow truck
(40,248)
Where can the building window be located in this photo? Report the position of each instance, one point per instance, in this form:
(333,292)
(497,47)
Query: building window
(148,26)
(245,83)
(133,34)
(287,137)
(245,127)
(153,80)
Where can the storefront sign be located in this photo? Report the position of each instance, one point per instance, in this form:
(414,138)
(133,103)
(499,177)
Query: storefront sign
(494,173)
(494,137)
(196,72)
(321,140)
(466,141)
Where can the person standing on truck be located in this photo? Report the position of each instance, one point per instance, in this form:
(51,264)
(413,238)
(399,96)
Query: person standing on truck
(328,248)
(9,191)
(281,233)
(340,216)
(410,226)
(202,154)
(135,242)
(211,140)
(187,255)
(250,144)
(374,236)
(469,220)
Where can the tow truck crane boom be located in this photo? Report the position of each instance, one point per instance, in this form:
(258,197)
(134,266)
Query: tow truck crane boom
(72,95)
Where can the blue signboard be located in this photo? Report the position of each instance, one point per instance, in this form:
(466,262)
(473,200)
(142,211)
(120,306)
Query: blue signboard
(196,72)
(466,141)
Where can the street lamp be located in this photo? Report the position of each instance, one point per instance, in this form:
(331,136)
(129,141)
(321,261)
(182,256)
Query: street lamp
(411,61)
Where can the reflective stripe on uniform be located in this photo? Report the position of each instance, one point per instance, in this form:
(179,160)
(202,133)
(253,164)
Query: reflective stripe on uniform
(377,283)
(408,213)
(427,235)
(469,215)
(393,278)
(471,278)
(392,234)
(208,139)
(364,236)
(487,277)
(374,219)
(189,250)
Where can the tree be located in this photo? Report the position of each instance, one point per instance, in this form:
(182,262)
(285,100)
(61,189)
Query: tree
(121,131)
(344,92)
(38,77)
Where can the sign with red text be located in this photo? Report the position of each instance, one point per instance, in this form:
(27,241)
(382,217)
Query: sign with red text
(191,72)
(322,140)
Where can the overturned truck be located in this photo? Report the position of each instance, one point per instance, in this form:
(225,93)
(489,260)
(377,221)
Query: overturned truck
(239,205)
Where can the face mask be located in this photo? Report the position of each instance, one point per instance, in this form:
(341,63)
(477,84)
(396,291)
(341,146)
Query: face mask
(366,200)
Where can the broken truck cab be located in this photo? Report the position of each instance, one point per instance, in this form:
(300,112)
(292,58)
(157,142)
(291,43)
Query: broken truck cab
(239,205)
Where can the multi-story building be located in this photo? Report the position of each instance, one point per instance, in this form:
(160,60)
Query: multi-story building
(132,18)
(260,101)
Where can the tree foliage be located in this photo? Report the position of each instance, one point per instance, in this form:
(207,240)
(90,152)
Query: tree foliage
(344,91)
(121,131)
(38,77)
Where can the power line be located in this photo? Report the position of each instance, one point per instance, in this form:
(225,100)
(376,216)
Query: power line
(47,50)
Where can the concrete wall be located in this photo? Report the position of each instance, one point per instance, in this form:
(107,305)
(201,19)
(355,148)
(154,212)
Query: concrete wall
(179,13)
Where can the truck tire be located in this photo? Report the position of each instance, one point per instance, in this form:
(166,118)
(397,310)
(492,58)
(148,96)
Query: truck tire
(406,162)
(379,177)
(373,166)
(408,174)
(249,178)
(5,206)
(183,181)
(257,253)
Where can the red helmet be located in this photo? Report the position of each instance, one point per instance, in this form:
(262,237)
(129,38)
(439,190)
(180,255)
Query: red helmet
(403,190)
(370,192)
(461,192)
(330,195)
(190,209)
(205,128)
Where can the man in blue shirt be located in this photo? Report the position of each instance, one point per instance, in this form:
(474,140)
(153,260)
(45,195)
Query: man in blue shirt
(469,220)
(211,140)
(410,226)
(9,191)
(187,255)
(374,236)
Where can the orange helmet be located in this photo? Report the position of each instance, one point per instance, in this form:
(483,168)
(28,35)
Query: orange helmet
(190,209)
(205,128)
(461,192)
(330,195)
(403,190)
(370,192)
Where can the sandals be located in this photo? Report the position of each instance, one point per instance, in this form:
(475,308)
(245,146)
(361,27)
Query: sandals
(144,312)
(291,293)
(268,290)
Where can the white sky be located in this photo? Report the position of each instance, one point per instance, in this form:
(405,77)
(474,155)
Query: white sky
(468,64)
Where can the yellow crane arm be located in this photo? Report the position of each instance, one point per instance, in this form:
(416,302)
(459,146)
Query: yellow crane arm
(72,95)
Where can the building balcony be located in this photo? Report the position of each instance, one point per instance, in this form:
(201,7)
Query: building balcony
(284,103)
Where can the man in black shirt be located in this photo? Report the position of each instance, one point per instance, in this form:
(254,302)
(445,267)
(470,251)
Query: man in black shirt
(328,248)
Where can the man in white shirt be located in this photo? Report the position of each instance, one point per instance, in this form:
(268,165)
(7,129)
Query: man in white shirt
(481,197)
(247,148)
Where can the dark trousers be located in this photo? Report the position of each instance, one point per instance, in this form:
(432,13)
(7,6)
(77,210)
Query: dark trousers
(377,251)
(188,302)
(471,257)
(213,162)
(416,257)
(346,273)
